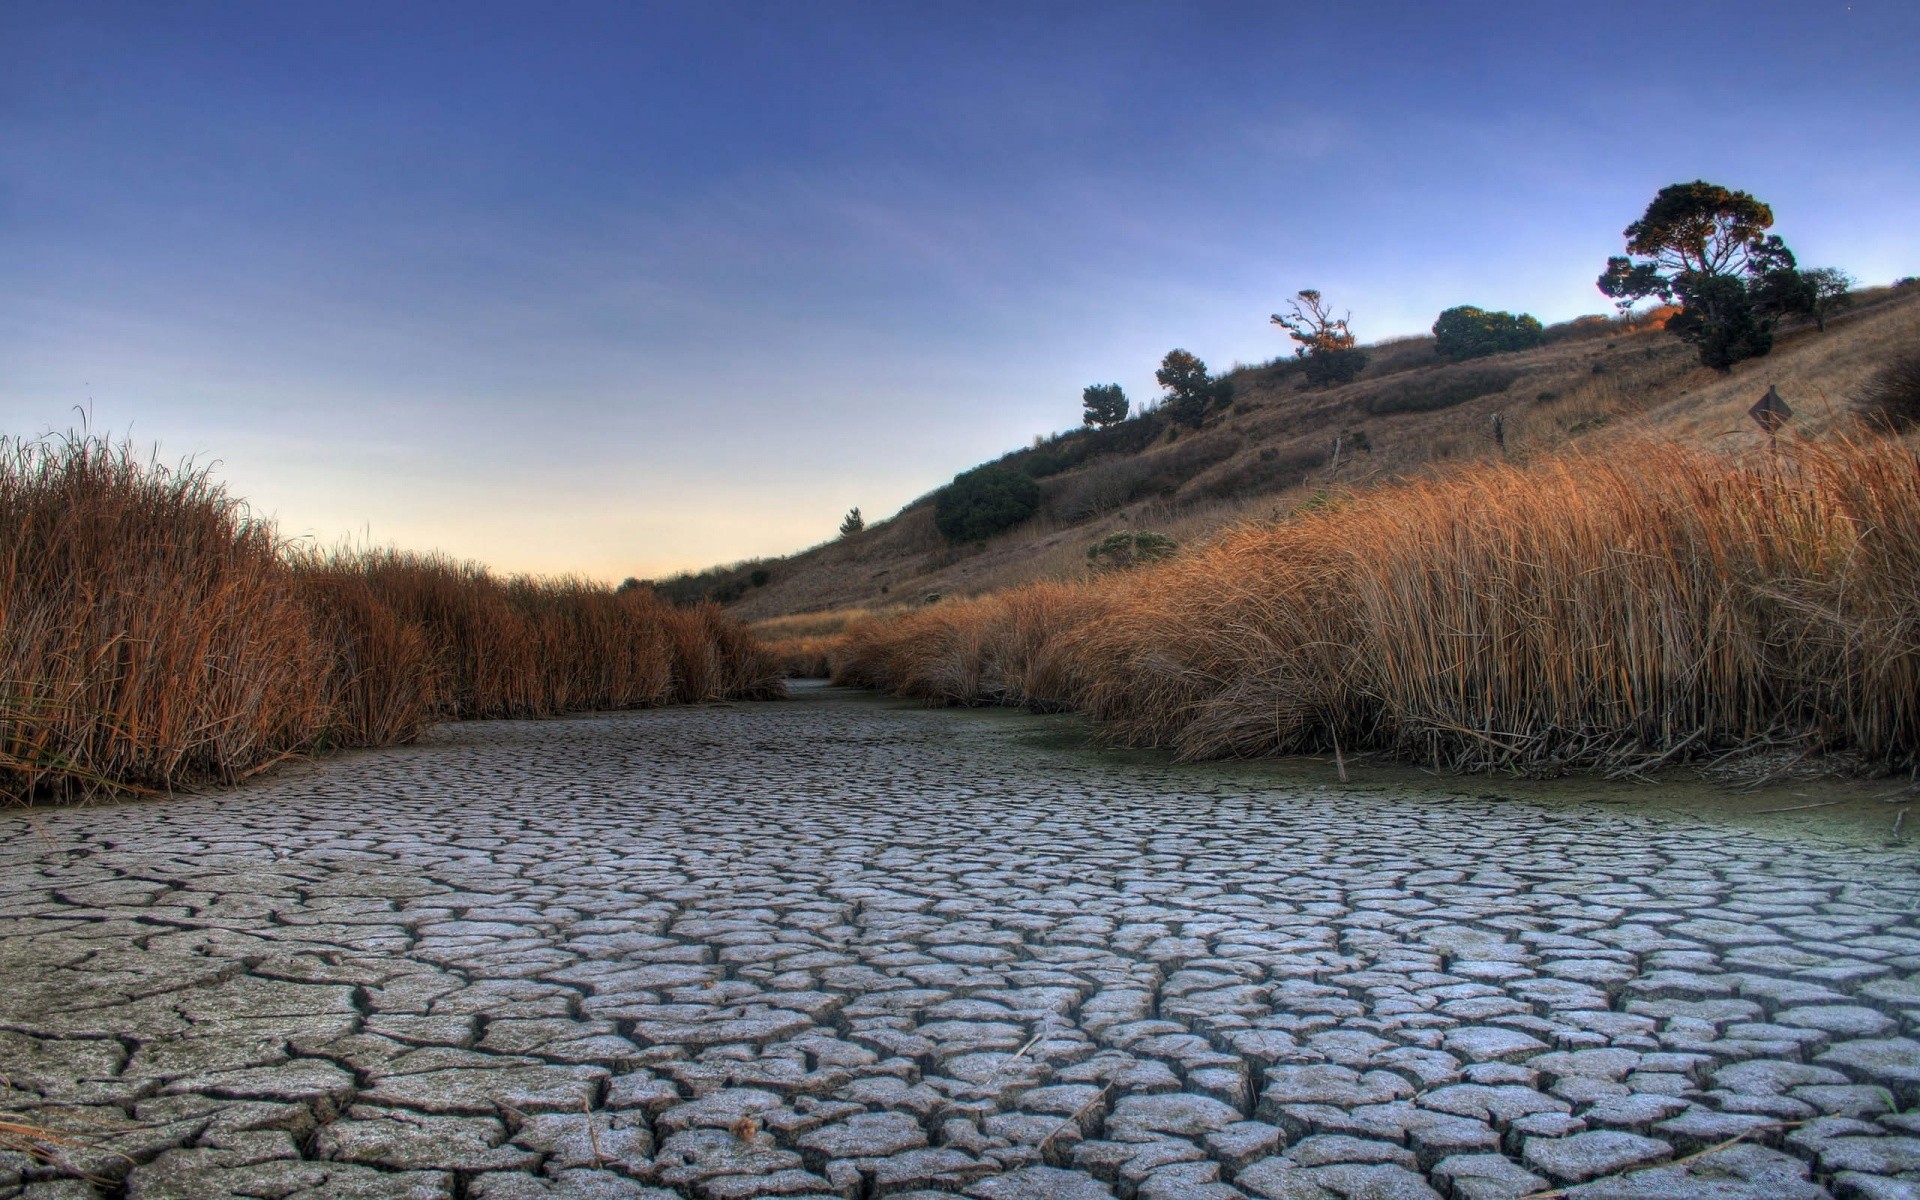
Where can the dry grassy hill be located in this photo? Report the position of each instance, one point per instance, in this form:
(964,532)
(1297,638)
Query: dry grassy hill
(1281,443)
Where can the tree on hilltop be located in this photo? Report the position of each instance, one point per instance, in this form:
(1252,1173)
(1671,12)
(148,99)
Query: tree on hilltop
(1828,290)
(1190,390)
(1707,249)
(1105,405)
(1327,347)
(852,523)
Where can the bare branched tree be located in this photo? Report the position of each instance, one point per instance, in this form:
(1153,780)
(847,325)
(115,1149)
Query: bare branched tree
(1310,322)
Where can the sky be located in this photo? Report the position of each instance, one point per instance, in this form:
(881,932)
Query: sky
(628,288)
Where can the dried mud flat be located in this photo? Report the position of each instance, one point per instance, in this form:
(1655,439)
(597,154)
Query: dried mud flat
(842,947)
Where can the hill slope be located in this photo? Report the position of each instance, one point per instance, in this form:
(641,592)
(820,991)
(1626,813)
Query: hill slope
(1279,443)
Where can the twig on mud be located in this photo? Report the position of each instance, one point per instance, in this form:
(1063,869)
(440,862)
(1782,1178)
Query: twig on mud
(593,1134)
(1031,1042)
(1082,1111)
(1781,772)
(42,1146)
(1641,768)
(1799,807)
(1717,1147)
(268,765)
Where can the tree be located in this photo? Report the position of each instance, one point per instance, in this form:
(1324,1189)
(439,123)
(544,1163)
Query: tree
(1829,289)
(1190,390)
(852,523)
(983,502)
(1708,249)
(1326,346)
(1468,332)
(1105,403)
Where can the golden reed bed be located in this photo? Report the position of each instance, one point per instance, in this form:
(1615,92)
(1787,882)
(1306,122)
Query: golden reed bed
(1616,611)
(152,634)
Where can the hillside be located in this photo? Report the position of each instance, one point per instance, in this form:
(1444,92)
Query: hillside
(1279,443)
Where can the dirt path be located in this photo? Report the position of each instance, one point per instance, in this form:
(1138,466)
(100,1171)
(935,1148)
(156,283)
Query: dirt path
(846,947)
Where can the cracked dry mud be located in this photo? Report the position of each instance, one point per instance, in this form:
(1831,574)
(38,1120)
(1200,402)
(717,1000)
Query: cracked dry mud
(843,947)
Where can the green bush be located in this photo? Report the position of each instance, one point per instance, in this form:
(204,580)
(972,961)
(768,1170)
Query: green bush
(983,502)
(1130,548)
(1467,332)
(1440,389)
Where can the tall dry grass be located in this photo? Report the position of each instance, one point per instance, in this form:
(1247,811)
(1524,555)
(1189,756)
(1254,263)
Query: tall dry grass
(1610,612)
(148,628)
(154,634)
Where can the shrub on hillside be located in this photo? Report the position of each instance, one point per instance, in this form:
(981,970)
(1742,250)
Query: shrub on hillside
(1130,548)
(1891,398)
(1267,471)
(1325,368)
(1107,485)
(983,502)
(1098,489)
(1580,329)
(1436,390)
(1467,332)
(1065,451)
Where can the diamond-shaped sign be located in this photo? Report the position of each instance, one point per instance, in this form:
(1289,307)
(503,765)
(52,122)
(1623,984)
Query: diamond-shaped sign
(1770,411)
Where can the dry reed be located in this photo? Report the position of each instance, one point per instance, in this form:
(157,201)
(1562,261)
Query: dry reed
(1609,613)
(154,634)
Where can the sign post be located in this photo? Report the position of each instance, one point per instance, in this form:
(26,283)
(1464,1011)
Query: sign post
(1770,412)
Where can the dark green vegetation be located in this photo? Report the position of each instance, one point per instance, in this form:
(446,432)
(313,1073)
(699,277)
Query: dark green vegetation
(1468,332)
(1130,548)
(1105,405)
(1191,392)
(983,502)
(720,585)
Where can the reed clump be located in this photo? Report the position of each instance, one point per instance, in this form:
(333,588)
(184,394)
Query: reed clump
(1610,612)
(154,634)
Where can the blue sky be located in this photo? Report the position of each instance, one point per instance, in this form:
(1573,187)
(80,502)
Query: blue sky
(625,288)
